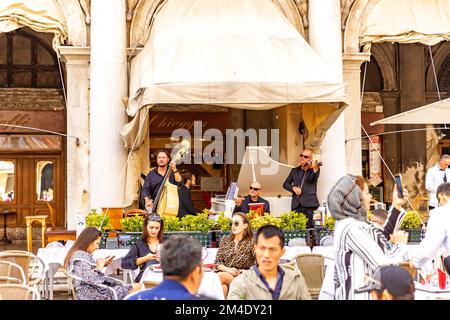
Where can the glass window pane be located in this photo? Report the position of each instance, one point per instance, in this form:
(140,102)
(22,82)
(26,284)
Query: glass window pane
(30,142)
(6,181)
(44,183)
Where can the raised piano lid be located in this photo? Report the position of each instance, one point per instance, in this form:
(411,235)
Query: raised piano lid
(270,173)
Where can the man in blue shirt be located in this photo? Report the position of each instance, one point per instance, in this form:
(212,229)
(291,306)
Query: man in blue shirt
(181,262)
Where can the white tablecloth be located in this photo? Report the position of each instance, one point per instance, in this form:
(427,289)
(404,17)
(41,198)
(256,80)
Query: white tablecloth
(210,285)
(57,256)
(54,258)
(428,292)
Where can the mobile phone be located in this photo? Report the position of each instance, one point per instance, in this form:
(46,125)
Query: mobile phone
(398,183)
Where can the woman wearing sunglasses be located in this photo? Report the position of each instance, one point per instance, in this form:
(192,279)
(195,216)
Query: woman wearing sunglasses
(236,251)
(145,251)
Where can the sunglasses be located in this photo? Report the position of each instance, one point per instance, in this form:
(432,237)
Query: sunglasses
(236,223)
(154,217)
(256,189)
(303,156)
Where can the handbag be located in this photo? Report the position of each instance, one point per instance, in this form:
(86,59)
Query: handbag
(109,282)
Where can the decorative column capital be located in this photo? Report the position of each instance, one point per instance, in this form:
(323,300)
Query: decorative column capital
(353,61)
(75,56)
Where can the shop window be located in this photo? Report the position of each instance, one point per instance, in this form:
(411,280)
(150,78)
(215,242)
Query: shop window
(7,170)
(44,180)
(30,143)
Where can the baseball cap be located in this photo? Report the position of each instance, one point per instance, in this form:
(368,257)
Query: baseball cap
(395,279)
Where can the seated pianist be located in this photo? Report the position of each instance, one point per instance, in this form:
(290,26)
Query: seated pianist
(242,204)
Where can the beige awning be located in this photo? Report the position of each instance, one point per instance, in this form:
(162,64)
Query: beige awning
(434,113)
(406,21)
(39,15)
(237,53)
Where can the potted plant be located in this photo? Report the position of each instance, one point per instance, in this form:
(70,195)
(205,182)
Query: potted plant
(325,230)
(171,224)
(264,220)
(294,226)
(329,222)
(100,221)
(198,226)
(132,226)
(412,224)
(222,227)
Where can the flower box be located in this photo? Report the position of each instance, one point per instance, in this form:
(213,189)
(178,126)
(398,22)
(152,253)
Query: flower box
(292,234)
(415,235)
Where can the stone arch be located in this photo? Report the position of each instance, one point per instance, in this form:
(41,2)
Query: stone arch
(353,25)
(382,52)
(440,53)
(145,11)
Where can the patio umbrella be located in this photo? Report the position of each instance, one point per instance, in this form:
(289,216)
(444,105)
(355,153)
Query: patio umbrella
(433,113)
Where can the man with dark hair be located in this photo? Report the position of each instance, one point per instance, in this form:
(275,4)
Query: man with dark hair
(379,217)
(440,173)
(438,229)
(267,280)
(154,178)
(181,263)
(390,283)
(186,206)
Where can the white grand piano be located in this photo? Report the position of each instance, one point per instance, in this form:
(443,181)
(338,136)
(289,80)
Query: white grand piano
(258,165)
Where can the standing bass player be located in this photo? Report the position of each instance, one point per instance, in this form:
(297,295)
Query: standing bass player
(155,177)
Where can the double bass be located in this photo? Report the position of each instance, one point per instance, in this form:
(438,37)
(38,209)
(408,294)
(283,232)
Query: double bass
(166,200)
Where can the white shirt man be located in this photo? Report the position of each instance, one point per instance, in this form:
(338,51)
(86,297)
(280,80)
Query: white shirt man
(437,175)
(438,230)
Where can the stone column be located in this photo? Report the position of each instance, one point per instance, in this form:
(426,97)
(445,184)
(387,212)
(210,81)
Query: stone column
(77,180)
(412,95)
(326,39)
(391,142)
(107,111)
(352,79)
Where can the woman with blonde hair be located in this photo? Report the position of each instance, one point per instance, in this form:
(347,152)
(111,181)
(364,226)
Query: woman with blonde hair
(236,251)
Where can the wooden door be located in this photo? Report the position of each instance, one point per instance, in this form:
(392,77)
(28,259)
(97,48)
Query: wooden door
(38,178)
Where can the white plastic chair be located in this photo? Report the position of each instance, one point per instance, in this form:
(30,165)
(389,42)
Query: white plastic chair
(327,241)
(299,242)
